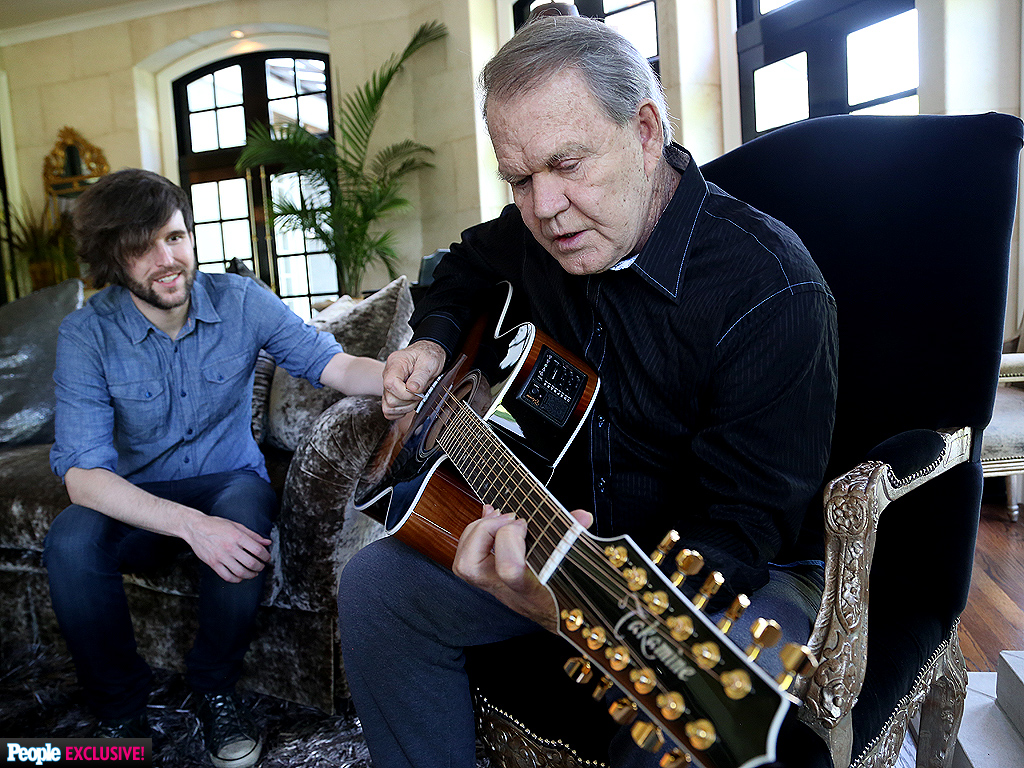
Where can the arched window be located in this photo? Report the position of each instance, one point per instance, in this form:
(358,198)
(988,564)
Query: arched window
(808,58)
(213,107)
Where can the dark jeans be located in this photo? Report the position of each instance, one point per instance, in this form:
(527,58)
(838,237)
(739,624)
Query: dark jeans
(86,554)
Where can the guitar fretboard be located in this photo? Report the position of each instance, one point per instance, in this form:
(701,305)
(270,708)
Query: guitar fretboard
(498,478)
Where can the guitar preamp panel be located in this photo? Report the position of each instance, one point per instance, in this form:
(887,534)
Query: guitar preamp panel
(554,387)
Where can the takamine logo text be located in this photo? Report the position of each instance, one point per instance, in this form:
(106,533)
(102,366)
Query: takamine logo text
(653,646)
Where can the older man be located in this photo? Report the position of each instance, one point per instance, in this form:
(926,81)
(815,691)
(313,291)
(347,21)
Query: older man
(714,337)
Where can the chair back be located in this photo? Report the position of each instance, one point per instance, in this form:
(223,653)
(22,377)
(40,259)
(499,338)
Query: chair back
(909,219)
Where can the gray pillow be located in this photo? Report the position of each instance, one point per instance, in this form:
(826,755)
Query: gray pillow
(28,355)
(374,327)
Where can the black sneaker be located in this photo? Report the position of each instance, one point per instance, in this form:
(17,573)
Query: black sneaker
(232,736)
(132,728)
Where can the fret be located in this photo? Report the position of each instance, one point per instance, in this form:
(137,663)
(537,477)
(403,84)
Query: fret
(498,479)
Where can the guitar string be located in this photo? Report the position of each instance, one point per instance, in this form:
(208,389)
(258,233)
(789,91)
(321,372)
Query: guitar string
(489,445)
(469,420)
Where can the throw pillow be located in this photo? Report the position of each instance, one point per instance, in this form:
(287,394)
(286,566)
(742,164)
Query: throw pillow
(374,327)
(28,355)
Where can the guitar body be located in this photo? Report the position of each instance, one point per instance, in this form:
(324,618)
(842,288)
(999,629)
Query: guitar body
(491,429)
(532,392)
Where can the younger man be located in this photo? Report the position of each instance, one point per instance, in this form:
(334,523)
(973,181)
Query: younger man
(153,441)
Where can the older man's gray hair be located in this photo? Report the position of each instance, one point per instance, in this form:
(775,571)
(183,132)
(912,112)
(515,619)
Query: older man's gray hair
(619,77)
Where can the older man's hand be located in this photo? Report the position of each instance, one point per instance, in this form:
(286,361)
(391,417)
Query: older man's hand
(407,375)
(492,556)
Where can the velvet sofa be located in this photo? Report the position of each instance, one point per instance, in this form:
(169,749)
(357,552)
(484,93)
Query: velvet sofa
(315,442)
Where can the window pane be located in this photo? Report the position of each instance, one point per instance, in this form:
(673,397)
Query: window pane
(291,273)
(610,6)
(780,93)
(231,126)
(767,6)
(203,127)
(209,245)
(237,239)
(311,75)
(300,307)
(228,85)
(280,78)
(234,200)
(214,268)
(882,58)
(639,26)
(313,113)
(908,105)
(200,94)
(323,277)
(283,112)
(205,206)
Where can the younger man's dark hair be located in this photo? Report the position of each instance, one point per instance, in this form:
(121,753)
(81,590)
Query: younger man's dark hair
(115,220)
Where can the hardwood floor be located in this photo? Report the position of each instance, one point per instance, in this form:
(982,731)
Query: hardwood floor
(994,618)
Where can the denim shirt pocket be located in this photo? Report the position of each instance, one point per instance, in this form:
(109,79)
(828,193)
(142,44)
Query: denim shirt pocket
(230,368)
(141,409)
(225,384)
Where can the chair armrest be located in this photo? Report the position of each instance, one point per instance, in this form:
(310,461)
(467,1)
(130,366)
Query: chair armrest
(1011,367)
(853,505)
(319,529)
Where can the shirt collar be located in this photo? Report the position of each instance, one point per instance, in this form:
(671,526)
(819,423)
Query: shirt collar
(201,307)
(662,260)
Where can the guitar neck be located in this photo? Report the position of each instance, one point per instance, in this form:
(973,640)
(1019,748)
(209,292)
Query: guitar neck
(499,479)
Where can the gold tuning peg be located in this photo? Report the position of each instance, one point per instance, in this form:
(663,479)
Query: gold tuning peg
(765,633)
(674,758)
(732,615)
(701,733)
(602,687)
(666,546)
(688,562)
(712,584)
(578,669)
(797,661)
(647,736)
(623,711)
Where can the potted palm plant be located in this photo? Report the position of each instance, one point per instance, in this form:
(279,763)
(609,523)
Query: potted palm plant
(45,242)
(343,192)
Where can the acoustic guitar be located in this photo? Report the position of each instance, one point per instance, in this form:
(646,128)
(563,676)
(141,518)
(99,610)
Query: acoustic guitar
(492,428)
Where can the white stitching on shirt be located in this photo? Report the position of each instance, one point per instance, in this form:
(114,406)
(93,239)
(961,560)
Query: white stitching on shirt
(741,229)
(682,261)
(765,299)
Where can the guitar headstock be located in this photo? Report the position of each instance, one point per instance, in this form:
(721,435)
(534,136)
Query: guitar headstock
(702,697)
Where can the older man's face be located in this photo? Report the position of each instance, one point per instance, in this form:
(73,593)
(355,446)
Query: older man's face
(582,183)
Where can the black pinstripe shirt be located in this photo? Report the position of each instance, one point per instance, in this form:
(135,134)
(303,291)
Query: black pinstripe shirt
(716,349)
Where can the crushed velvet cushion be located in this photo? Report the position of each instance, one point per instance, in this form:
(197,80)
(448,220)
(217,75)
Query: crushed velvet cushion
(374,327)
(28,355)
(319,529)
(30,497)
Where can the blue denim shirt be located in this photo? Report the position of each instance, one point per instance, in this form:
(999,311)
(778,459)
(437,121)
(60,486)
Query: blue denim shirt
(131,400)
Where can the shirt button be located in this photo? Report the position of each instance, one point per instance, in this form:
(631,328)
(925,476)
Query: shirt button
(598,329)
(188,431)
(186,459)
(600,422)
(183,393)
(602,484)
